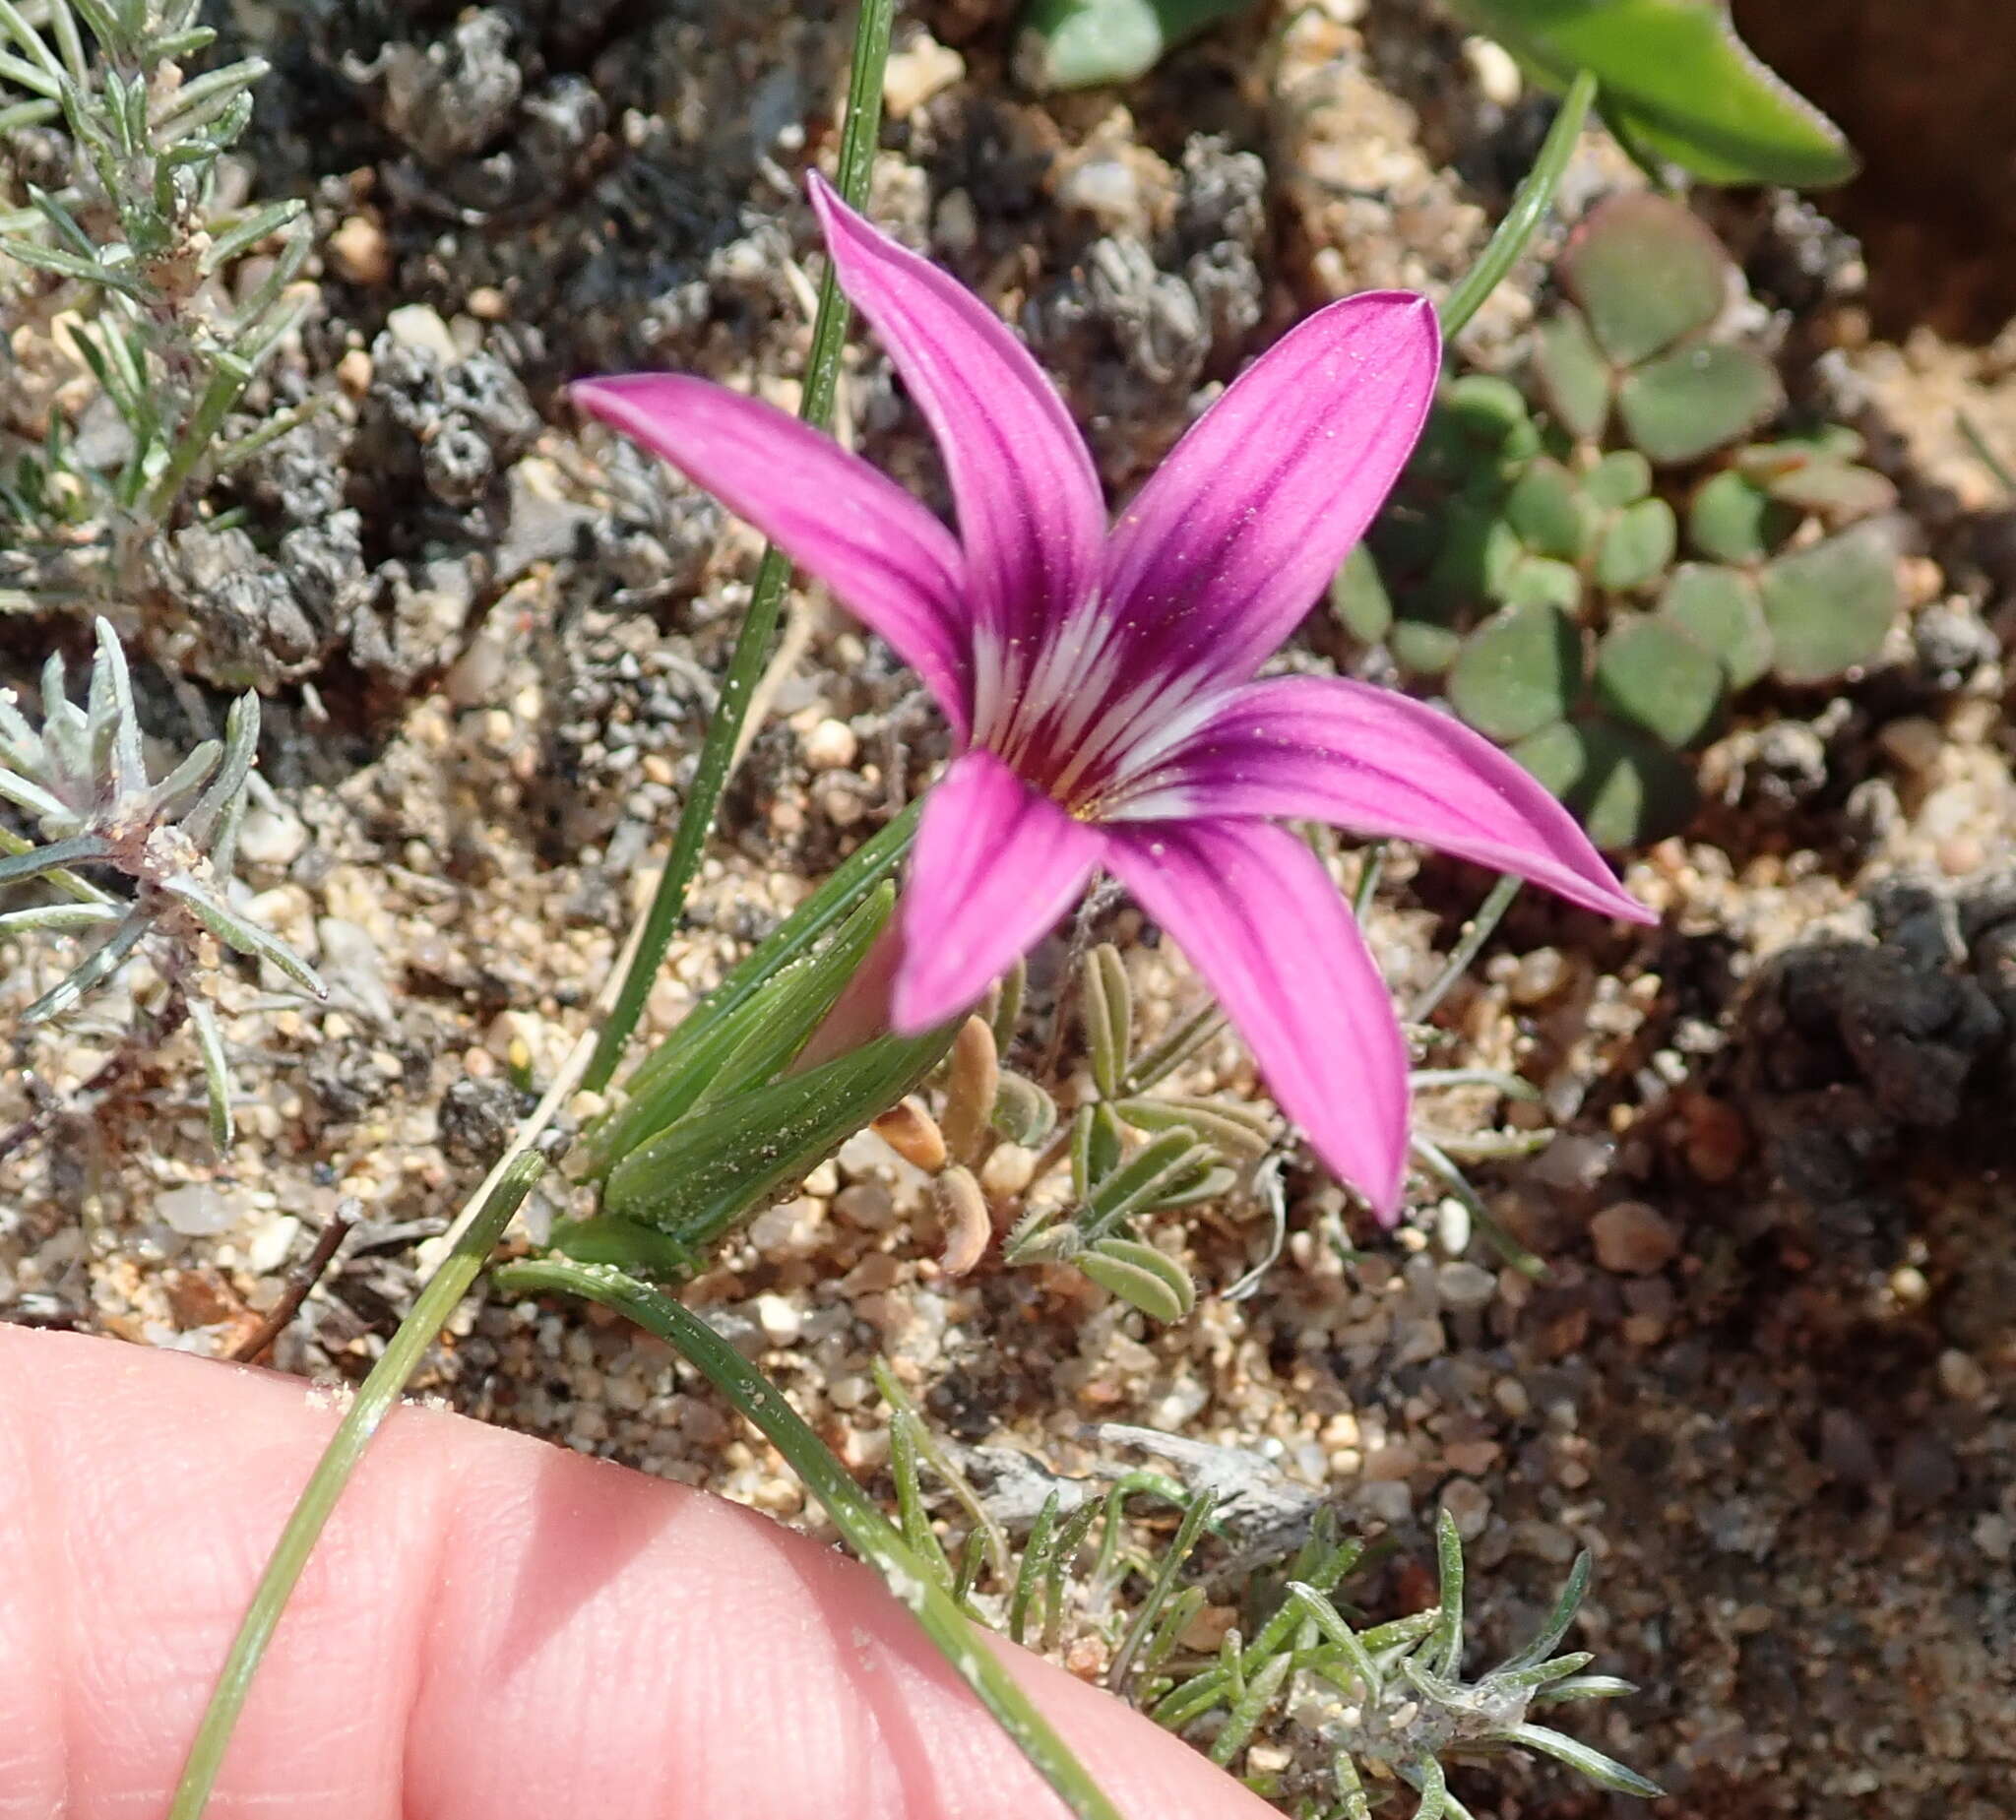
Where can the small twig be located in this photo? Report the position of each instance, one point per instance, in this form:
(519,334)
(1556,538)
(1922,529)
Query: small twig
(301,1282)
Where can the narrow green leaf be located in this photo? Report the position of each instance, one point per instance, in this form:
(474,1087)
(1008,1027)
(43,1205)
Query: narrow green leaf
(96,969)
(242,933)
(1232,1126)
(78,849)
(1604,1772)
(217,1070)
(699,1179)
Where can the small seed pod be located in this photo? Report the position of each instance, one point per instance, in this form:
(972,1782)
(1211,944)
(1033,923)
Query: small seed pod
(1138,1273)
(972,1082)
(1023,1112)
(913,1135)
(963,1209)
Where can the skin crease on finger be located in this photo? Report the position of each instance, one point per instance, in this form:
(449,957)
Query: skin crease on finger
(491,1627)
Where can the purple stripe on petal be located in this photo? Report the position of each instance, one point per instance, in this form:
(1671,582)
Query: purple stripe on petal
(995,866)
(1223,551)
(1264,925)
(885,557)
(1376,762)
(1030,513)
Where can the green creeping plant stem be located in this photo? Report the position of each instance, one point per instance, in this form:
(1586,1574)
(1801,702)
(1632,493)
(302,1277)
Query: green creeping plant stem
(373,1402)
(752,643)
(913,1580)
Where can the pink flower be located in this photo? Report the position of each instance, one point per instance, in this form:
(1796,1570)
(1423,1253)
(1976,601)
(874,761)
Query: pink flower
(1102,681)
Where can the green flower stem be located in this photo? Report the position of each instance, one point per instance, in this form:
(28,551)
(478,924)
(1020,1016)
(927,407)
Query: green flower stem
(374,1401)
(1476,932)
(862,127)
(867,1531)
(1536,196)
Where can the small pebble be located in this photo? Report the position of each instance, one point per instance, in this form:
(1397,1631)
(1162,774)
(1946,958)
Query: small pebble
(1497,75)
(1538,977)
(1465,1285)
(1914,742)
(831,745)
(868,1206)
(915,74)
(1466,1501)
(354,372)
(1961,1376)
(779,1318)
(271,838)
(197,1210)
(1104,187)
(1389,1500)
(1008,1170)
(1633,1239)
(415,326)
(359,251)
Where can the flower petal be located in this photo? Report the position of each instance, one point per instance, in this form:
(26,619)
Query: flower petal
(1030,513)
(995,866)
(1262,922)
(882,553)
(1376,762)
(1221,552)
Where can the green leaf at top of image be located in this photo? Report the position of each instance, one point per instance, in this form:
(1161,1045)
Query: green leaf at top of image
(1677,80)
(1082,44)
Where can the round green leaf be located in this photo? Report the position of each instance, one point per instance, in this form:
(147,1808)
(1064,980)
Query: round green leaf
(1575,380)
(1547,509)
(1622,479)
(1637,547)
(1829,606)
(1489,414)
(1540,580)
(1405,537)
(1137,1273)
(1645,272)
(1654,675)
(1084,44)
(1625,787)
(1423,646)
(1840,491)
(1678,407)
(1720,610)
(1359,598)
(1519,671)
(1476,547)
(1732,521)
